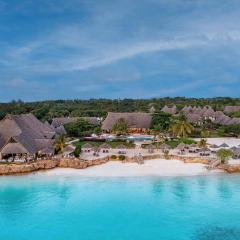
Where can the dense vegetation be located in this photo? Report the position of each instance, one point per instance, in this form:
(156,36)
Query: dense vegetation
(46,110)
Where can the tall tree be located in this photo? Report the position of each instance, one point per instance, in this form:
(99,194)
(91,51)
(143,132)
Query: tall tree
(60,143)
(181,127)
(120,127)
(224,154)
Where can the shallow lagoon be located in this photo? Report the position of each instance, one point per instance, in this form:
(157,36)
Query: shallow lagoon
(71,208)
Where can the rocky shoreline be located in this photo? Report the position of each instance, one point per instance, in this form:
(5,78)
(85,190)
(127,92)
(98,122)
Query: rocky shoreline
(24,168)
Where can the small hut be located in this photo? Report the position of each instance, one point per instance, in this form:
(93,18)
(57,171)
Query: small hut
(181,147)
(87,147)
(151,148)
(193,148)
(214,146)
(205,151)
(122,149)
(105,147)
(68,150)
(164,147)
(236,153)
(121,146)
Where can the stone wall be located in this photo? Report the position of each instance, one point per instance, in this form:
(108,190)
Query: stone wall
(185,159)
(13,168)
(230,168)
(9,169)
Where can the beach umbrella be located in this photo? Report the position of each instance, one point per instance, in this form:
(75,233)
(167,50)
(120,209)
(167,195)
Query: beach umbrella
(164,146)
(121,146)
(105,146)
(181,146)
(224,145)
(214,146)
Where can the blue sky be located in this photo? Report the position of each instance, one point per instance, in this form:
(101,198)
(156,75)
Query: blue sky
(58,49)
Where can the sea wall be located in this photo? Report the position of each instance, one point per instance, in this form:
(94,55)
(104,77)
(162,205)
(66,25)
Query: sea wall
(9,169)
(185,159)
(13,168)
(230,168)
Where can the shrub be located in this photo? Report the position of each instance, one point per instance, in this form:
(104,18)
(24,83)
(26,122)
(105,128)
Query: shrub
(121,157)
(114,157)
(224,155)
(77,151)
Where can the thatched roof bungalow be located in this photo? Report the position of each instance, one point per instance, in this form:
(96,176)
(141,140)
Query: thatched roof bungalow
(232,109)
(105,146)
(138,121)
(25,134)
(170,110)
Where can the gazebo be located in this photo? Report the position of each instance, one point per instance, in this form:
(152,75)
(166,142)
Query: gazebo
(68,150)
(87,147)
(224,145)
(105,147)
(181,147)
(151,148)
(164,147)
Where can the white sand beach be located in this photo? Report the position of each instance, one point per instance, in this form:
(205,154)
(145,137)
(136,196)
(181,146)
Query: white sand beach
(149,168)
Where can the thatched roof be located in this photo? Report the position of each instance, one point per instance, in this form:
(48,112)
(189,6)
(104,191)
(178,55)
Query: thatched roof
(214,146)
(14,148)
(232,108)
(69,148)
(164,146)
(134,120)
(170,110)
(236,151)
(105,146)
(193,118)
(151,146)
(181,146)
(87,145)
(26,130)
(193,145)
(60,130)
(121,146)
(224,145)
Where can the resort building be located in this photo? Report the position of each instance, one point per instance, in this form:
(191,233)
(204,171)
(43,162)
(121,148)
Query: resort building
(24,136)
(228,109)
(170,110)
(137,121)
(197,115)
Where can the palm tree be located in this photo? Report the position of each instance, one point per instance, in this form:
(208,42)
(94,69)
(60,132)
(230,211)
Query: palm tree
(60,143)
(224,154)
(120,127)
(202,143)
(181,128)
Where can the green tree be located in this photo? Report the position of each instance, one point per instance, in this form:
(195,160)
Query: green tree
(202,143)
(77,151)
(79,128)
(224,154)
(120,127)
(60,143)
(181,127)
(161,121)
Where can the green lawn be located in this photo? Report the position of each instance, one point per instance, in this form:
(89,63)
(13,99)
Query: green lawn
(113,144)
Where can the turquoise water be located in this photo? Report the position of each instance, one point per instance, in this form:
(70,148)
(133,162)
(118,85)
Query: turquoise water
(77,208)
